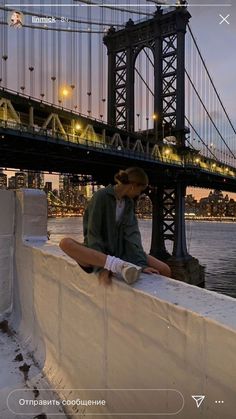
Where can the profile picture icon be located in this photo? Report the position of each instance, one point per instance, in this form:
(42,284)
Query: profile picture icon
(15,19)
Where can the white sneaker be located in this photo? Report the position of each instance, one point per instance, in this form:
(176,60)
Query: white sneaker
(130,273)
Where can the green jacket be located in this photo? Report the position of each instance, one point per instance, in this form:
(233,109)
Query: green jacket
(101,231)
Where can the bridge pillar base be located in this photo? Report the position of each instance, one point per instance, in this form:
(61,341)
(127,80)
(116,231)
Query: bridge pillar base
(187,270)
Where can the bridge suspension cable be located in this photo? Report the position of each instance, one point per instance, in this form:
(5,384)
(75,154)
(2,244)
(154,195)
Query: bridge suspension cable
(75,40)
(207,146)
(73,56)
(211,153)
(204,108)
(208,113)
(213,85)
(119,9)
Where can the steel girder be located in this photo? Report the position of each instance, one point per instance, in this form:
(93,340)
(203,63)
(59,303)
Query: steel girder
(164,34)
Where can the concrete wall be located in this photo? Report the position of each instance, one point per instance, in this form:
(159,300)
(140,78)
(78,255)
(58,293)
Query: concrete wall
(7,213)
(158,334)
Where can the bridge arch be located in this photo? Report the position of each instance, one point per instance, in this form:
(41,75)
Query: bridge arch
(143,68)
(165,34)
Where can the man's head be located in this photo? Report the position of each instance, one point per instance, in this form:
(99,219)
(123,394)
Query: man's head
(133,180)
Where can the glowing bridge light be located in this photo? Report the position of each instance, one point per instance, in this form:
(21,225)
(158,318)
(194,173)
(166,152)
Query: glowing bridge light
(78,127)
(65,92)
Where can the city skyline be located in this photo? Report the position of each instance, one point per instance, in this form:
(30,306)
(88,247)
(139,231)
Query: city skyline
(74,192)
(197,193)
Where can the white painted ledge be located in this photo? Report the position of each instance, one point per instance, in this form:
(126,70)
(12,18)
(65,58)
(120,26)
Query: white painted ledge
(158,334)
(7,214)
(205,303)
(89,336)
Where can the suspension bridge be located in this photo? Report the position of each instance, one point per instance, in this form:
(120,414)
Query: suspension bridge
(110,87)
(58,207)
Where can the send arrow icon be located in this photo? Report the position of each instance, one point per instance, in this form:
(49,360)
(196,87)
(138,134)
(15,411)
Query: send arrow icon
(198,399)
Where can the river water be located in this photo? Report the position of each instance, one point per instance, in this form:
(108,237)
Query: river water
(212,243)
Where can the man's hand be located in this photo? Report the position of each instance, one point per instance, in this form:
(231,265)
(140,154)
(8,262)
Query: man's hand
(105,278)
(150,270)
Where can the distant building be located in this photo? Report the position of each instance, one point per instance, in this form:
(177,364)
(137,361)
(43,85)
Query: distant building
(64,182)
(12,182)
(3,180)
(65,189)
(231,208)
(48,187)
(214,205)
(191,205)
(74,190)
(144,206)
(20,180)
(35,180)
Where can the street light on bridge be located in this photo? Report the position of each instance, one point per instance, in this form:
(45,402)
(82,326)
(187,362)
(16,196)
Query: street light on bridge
(64,92)
(155,119)
(78,126)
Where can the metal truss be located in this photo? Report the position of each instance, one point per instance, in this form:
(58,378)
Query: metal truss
(164,34)
(169,214)
(120,90)
(169,79)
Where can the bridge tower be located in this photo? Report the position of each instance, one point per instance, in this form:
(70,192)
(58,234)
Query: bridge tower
(164,34)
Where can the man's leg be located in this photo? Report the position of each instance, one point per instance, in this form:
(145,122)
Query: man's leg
(90,257)
(82,254)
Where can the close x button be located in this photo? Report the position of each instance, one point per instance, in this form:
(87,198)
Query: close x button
(224,19)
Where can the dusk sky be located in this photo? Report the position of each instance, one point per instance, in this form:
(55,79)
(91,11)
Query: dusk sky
(217,44)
